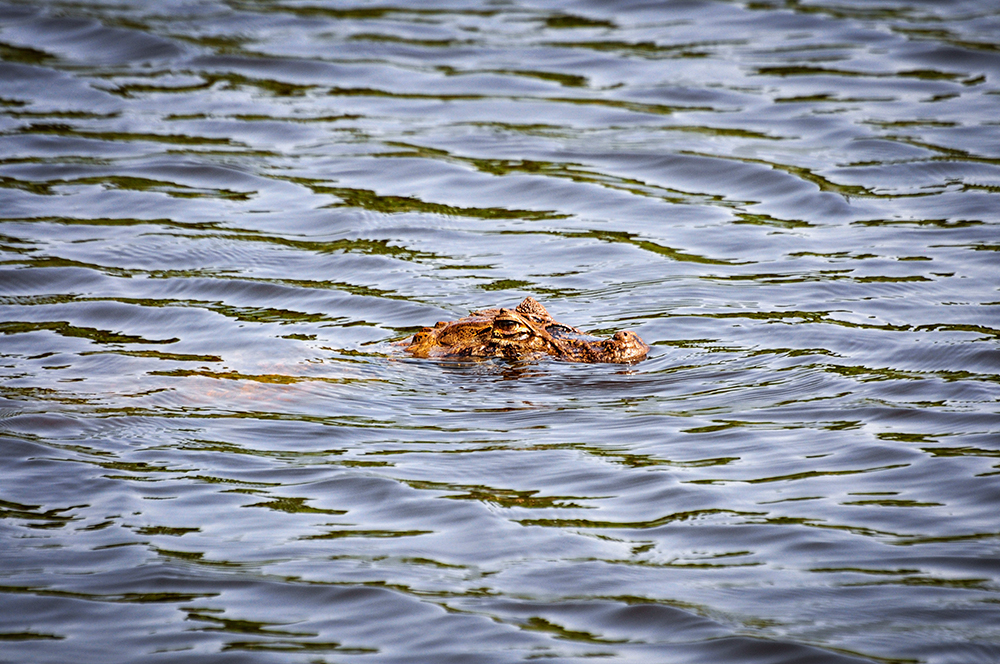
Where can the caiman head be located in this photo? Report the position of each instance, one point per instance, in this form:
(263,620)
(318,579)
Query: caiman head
(523,332)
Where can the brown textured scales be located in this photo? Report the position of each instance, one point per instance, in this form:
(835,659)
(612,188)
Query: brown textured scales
(525,331)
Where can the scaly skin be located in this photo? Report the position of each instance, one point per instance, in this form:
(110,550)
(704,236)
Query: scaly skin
(524,332)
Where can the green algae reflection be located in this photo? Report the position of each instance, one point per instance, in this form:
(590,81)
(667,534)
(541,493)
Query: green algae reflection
(369,200)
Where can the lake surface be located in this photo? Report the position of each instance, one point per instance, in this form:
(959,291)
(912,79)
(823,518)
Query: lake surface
(217,219)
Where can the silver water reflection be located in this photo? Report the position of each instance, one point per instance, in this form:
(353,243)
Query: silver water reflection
(216,218)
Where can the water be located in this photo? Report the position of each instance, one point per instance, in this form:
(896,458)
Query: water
(216,218)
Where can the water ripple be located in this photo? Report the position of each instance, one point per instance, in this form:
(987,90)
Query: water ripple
(218,219)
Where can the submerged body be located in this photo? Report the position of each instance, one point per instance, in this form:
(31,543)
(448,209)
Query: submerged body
(525,331)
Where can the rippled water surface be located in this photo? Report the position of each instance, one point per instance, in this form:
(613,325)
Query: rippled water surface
(218,218)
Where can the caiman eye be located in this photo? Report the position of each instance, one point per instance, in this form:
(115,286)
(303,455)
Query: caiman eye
(558,330)
(506,325)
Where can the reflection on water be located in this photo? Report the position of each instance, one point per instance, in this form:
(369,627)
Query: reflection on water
(217,218)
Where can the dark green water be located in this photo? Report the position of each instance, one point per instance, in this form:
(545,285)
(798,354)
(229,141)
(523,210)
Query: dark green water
(216,217)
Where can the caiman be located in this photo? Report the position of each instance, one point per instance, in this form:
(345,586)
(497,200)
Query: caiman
(526,331)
